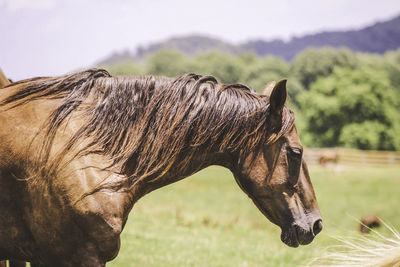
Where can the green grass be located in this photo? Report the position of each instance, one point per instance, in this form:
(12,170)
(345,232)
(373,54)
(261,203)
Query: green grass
(206,220)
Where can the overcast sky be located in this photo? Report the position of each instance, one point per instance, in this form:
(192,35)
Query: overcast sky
(53,37)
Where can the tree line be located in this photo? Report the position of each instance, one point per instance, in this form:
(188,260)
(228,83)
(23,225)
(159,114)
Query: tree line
(340,98)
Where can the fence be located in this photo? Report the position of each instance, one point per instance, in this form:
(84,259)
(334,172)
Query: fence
(351,157)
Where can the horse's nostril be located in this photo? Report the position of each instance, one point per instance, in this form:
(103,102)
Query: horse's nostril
(317,227)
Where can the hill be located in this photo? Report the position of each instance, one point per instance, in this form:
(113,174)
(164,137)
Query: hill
(377,38)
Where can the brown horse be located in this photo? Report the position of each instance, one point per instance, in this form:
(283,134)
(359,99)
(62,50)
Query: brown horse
(78,151)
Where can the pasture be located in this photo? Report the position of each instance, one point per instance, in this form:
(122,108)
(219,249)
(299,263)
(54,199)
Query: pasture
(205,220)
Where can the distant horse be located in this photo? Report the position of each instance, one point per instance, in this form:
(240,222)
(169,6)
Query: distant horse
(77,152)
(328,156)
(368,222)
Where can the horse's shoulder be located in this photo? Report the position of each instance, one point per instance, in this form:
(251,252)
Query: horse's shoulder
(107,208)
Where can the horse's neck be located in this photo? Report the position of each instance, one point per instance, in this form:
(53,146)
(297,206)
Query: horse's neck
(142,188)
(91,177)
(121,201)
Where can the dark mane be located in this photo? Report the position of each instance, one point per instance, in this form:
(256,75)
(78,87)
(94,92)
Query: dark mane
(130,119)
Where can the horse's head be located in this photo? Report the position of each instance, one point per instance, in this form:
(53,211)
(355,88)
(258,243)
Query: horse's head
(276,178)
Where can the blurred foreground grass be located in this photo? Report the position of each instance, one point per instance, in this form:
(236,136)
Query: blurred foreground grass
(206,220)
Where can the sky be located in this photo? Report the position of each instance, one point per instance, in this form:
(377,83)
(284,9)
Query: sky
(54,37)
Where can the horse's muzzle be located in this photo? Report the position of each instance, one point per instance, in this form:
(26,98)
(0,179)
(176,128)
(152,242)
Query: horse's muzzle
(299,235)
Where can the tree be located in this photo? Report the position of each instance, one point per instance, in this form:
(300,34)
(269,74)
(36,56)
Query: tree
(167,63)
(314,63)
(258,73)
(353,108)
(392,60)
(224,66)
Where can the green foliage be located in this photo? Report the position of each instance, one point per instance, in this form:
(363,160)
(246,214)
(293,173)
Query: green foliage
(125,68)
(224,66)
(260,72)
(393,66)
(355,108)
(247,58)
(314,63)
(167,63)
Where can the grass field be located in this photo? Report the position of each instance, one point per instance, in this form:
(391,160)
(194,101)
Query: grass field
(206,220)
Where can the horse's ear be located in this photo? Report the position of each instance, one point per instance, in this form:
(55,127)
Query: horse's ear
(278,96)
(268,88)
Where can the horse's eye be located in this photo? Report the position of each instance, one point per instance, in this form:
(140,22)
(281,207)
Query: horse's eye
(294,155)
(295,151)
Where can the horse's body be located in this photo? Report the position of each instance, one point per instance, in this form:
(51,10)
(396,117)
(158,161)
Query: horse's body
(76,153)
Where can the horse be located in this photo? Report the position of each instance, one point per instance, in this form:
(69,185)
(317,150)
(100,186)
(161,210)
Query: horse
(368,222)
(328,156)
(79,150)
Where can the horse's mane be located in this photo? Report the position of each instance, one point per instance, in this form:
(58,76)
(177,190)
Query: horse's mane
(147,124)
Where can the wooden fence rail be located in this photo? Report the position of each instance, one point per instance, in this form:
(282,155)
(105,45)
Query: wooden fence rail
(351,157)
